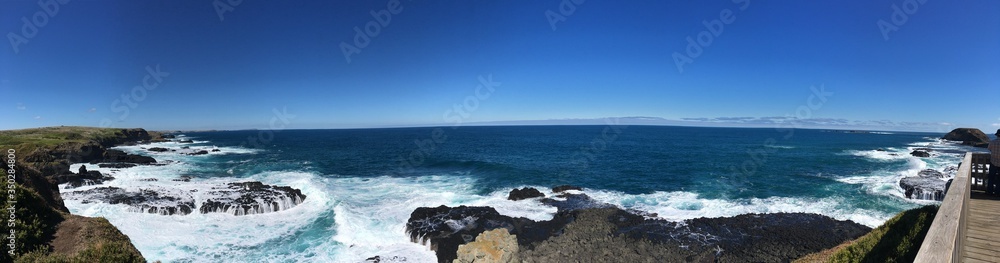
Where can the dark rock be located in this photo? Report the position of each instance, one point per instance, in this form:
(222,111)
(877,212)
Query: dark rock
(111,156)
(185,141)
(185,147)
(116,165)
(919,153)
(604,233)
(216,150)
(148,180)
(563,188)
(375,259)
(927,185)
(445,228)
(184,178)
(524,193)
(81,178)
(167,136)
(880,150)
(201,152)
(251,198)
(158,149)
(968,136)
(931,173)
(143,201)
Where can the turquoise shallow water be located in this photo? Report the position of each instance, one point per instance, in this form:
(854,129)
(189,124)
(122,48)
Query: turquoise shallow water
(362,184)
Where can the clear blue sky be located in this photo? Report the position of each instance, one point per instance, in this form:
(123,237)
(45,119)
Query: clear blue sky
(940,69)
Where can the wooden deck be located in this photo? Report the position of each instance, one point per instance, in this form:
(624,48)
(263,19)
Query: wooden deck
(967,225)
(982,240)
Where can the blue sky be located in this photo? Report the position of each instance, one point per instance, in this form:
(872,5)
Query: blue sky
(262,60)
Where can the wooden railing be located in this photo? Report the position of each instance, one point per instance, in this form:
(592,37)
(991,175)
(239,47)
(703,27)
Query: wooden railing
(945,238)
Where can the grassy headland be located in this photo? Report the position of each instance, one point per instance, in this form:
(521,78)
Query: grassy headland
(44,229)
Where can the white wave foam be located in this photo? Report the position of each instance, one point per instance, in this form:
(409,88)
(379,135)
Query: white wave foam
(779,146)
(202,237)
(885,155)
(678,206)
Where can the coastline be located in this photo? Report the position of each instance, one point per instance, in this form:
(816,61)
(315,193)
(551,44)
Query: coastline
(45,230)
(167,152)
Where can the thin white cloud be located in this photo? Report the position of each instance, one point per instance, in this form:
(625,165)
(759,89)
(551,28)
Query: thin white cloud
(92,110)
(38,117)
(21,106)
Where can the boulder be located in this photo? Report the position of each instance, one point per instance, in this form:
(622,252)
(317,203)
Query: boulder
(563,188)
(185,141)
(524,193)
(248,198)
(158,149)
(927,185)
(919,153)
(968,136)
(493,246)
(216,150)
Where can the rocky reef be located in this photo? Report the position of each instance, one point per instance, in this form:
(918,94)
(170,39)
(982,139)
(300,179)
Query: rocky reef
(586,230)
(247,198)
(929,184)
(143,201)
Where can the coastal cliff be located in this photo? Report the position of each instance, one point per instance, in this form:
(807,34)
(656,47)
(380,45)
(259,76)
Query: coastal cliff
(44,229)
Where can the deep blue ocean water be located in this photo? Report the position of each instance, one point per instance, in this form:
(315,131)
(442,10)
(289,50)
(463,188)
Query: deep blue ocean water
(363,183)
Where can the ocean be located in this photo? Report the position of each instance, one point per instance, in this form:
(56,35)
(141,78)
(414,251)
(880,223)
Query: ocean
(362,184)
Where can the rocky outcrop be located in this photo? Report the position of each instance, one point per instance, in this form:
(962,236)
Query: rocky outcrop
(590,231)
(116,156)
(493,246)
(143,201)
(524,193)
(200,152)
(563,188)
(927,185)
(248,198)
(81,178)
(157,149)
(919,153)
(968,136)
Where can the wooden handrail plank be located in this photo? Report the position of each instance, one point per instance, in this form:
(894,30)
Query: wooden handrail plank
(946,235)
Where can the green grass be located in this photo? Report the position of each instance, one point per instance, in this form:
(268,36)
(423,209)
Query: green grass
(898,240)
(49,137)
